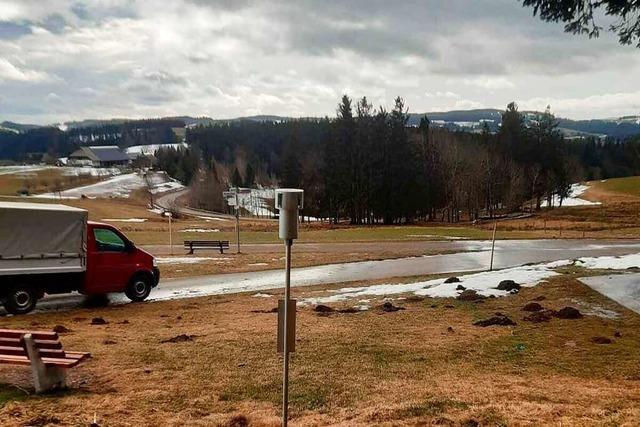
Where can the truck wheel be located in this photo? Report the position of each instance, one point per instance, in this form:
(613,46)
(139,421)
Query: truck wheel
(20,300)
(139,287)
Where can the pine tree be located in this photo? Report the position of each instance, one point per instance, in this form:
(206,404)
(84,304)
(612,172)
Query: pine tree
(236,178)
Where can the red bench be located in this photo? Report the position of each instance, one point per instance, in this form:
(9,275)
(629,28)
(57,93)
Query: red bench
(42,351)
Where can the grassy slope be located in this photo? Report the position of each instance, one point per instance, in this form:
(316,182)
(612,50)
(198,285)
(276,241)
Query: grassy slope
(359,369)
(629,185)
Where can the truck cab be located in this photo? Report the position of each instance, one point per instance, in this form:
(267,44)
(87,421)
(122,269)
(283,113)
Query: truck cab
(115,264)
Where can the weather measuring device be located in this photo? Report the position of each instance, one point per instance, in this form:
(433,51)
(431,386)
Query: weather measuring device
(289,202)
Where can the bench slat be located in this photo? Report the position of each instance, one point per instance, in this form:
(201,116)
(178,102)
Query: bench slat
(17,351)
(49,361)
(38,335)
(42,344)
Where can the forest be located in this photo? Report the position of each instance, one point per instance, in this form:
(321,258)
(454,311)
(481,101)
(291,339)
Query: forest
(368,166)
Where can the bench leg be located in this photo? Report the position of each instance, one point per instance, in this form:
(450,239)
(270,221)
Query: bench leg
(45,378)
(221,251)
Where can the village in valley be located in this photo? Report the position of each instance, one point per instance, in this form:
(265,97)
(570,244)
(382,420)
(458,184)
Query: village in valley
(466,253)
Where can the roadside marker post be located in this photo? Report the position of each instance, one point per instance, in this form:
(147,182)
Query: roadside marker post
(493,244)
(289,201)
(169,215)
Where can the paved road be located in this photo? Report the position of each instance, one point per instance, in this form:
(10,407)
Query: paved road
(166,201)
(622,288)
(475,256)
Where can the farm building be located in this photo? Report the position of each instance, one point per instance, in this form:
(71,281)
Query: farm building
(103,156)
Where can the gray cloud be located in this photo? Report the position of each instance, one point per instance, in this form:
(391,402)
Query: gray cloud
(227,58)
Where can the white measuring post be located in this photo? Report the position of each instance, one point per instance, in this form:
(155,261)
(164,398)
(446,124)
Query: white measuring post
(288,201)
(493,244)
(169,215)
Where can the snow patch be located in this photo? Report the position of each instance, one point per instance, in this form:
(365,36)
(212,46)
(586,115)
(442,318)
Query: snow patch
(199,230)
(182,260)
(573,199)
(622,262)
(484,283)
(124,219)
(260,295)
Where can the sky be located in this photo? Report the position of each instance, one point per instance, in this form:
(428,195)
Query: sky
(88,59)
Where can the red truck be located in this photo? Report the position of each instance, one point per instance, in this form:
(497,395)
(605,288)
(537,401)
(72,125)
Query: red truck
(54,249)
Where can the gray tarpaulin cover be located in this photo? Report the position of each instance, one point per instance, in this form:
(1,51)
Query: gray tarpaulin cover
(35,229)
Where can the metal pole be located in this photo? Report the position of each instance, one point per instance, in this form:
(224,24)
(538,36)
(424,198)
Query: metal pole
(170,236)
(285,363)
(237,221)
(493,244)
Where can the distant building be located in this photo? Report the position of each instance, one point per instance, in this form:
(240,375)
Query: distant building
(102,156)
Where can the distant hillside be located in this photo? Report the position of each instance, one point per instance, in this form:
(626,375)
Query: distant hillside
(17,127)
(464,120)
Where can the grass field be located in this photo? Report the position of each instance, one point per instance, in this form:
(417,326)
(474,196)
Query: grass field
(42,181)
(629,186)
(426,364)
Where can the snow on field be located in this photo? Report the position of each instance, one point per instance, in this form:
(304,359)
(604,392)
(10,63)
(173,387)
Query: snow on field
(149,150)
(9,170)
(610,262)
(184,260)
(484,283)
(199,230)
(166,186)
(212,218)
(258,201)
(89,171)
(261,295)
(124,219)
(575,191)
(118,186)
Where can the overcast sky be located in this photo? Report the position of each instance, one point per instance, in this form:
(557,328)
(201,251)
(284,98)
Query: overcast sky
(68,60)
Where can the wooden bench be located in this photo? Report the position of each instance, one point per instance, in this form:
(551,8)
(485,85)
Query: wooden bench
(192,245)
(43,352)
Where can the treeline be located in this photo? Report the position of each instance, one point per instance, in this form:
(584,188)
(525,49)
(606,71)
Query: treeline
(368,166)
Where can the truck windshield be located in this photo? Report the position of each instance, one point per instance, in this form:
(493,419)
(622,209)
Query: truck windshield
(108,241)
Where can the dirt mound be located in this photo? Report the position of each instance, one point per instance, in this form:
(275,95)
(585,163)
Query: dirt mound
(495,320)
(460,288)
(568,313)
(452,280)
(271,310)
(323,309)
(509,285)
(61,329)
(179,338)
(532,306)
(540,316)
(98,321)
(388,307)
(470,295)
(601,340)
(238,421)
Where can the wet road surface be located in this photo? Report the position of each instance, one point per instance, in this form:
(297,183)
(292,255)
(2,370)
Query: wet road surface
(473,256)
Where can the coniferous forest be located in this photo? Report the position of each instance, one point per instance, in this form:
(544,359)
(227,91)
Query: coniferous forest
(368,166)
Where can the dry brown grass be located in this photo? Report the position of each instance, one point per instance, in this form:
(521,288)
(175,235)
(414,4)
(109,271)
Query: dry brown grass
(42,181)
(367,368)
